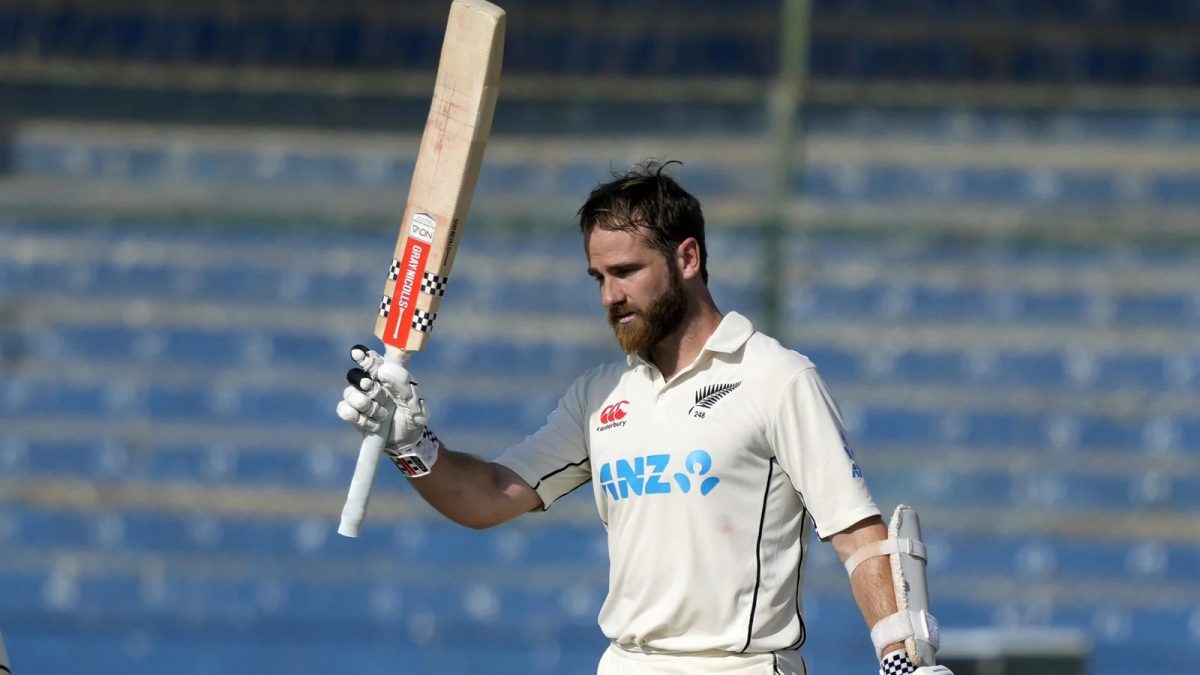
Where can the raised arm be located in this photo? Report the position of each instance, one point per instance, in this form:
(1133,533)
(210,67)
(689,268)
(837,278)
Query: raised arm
(473,492)
(462,487)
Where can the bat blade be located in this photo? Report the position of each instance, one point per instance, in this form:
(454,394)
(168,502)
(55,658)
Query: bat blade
(447,168)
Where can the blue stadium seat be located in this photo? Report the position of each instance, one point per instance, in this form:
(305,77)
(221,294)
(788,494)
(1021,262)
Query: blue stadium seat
(977,555)
(287,407)
(292,348)
(343,290)
(519,411)
(98,343)
(119,596)
(898,426)
(204,347)
(88,460)
(21,592)
(820,182)
(1109,433)
(992,429)
(893,182)
(1176,189)
(513,178)
(1176,310)
(32,279)
(132,282)
(949,489)
(1090,188)
(164,403)
(42,158)
(239,284)
(1189,432)
(821,300)
(37,529)
(925,366)
(1038,369)
(1010,185)
(1129,370)
(308,169)
(222,166)
(565,543)
(30,399)
(1051,306)
(834,363)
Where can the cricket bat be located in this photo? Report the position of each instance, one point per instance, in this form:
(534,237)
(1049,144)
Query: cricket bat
(447,168)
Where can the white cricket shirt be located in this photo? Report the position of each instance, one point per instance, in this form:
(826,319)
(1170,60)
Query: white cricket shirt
(708,485)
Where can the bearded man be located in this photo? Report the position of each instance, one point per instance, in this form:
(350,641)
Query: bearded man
(713,451)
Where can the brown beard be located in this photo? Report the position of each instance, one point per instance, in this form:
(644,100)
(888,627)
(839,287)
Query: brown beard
(660,319)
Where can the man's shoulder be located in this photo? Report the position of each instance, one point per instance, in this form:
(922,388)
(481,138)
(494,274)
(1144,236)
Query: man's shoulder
(606,375)
(764,351)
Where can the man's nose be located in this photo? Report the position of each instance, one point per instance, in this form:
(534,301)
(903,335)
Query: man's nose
(611,294)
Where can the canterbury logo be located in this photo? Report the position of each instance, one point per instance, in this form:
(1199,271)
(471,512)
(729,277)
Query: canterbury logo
(612,416)
(612,413)
(707,397)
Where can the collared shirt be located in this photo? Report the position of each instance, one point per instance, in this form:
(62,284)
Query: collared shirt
(708,484)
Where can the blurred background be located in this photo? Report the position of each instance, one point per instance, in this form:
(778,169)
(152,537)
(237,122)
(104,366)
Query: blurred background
(977,217)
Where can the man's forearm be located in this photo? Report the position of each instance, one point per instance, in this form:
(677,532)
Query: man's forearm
(873,591)
(473,492)
(871,582)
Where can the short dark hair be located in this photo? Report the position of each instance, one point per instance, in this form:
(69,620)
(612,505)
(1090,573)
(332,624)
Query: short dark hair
(646,201)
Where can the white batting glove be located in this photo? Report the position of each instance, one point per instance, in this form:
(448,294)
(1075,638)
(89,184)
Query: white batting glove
(382,395)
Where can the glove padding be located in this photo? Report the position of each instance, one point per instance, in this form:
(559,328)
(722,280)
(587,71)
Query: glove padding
(382,395)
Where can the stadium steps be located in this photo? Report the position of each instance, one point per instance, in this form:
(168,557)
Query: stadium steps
(939,420)
(846,181)
(878,414)
(330,208)
(493,250)
(1112,522)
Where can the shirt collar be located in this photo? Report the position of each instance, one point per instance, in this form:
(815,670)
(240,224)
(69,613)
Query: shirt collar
(730,335)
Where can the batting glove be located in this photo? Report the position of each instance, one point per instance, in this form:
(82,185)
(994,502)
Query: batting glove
(382,395)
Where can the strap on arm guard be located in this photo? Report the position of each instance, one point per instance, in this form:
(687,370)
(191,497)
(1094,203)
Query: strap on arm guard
(912,623)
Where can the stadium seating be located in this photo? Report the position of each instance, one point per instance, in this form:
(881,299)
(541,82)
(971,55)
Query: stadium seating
(170,464)
(930,40)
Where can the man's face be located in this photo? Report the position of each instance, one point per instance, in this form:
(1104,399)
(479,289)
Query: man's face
(639,287)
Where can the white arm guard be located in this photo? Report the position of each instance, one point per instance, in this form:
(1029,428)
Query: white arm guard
(912,623)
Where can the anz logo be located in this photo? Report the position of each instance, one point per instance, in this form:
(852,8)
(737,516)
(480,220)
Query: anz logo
(651,475)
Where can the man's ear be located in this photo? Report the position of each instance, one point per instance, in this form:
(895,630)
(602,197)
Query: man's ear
(687,258)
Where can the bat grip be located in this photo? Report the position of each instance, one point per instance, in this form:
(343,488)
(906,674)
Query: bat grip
(369,454)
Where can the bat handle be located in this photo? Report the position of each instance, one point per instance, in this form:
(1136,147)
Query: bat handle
(355,509)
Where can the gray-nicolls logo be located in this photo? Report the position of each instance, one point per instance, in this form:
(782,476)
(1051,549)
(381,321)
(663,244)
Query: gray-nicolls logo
(707,397)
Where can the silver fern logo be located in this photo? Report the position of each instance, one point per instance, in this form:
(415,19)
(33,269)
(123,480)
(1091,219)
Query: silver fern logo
(707,397)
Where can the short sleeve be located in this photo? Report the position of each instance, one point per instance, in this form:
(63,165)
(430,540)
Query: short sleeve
(809,441)
(554,459)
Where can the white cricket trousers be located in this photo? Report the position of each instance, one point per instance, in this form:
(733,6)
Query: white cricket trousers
(617,661)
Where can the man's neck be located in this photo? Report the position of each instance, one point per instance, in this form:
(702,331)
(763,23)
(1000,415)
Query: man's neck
(680,348)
